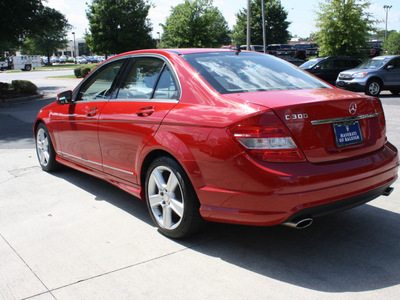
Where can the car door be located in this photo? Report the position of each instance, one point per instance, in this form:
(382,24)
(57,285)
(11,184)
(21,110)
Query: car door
(324,70)
(339,65)
(129,120)
(392,76)
(77,121)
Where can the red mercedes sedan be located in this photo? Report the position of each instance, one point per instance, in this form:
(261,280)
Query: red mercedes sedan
(220,135)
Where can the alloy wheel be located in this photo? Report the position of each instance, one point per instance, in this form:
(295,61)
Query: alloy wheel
(165,197)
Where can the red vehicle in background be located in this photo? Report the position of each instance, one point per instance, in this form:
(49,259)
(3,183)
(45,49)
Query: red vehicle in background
(220,135)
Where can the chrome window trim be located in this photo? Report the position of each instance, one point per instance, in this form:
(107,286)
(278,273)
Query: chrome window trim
(346,119)
(169,64)
(95,163)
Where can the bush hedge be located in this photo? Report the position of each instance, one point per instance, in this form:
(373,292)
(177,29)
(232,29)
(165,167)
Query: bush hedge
(85,71)
(24,86)
(77,72)
(4,86)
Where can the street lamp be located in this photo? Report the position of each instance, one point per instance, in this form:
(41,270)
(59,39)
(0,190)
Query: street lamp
(248,41)
(73,33)
(159,39)
(386,7)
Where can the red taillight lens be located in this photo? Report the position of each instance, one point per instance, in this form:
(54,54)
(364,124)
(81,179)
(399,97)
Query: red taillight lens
(274,144)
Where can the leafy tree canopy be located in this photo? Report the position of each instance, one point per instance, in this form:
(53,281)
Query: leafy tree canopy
(51,30)
(392,44)
(195,24)
(117,26)
(343,27)
(17,21)
(275,19)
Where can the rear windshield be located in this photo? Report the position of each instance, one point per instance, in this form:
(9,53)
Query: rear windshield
(227,72)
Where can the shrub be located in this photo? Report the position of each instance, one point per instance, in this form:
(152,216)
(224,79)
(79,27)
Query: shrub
(4,86)
(24,86)
(85,71)
(78,72)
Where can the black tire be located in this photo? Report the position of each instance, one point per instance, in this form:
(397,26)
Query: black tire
(171,199)
(373,87)
(28,67)
(395,91)
(45,150)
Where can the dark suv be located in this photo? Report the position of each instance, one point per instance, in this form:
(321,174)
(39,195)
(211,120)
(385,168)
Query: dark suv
(328,68)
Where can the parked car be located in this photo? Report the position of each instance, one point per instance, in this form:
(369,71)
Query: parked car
(81,60)
(257,48)
(373,76)
(63,59)
(328,68)
(217,135)
(54,59)
(310,49)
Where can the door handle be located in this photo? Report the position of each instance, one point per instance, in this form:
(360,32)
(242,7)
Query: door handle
(145,111)
(92,112)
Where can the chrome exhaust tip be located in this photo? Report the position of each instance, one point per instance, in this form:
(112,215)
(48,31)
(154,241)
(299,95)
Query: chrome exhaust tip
(299,224)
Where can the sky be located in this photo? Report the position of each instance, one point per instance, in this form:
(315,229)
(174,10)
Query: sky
(301,13)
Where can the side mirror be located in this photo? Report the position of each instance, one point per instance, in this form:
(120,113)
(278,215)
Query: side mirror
(389,67)
(64,97)
(316,68)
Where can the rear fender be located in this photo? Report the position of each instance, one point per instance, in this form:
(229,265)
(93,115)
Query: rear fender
(170,144)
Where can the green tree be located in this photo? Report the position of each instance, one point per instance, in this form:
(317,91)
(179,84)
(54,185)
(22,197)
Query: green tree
(195,24)
(51,28)
(117,26)
(343,27)
(392,44)
(276,23)
(16,22)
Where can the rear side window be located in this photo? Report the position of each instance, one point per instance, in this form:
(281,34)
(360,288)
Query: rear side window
(141,79)
(250,72)
(166,87)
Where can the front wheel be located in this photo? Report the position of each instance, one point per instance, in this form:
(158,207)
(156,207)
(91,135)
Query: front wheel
(171,199)
(373,87)
(44,149)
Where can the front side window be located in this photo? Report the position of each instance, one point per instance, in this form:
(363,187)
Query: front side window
(250,72)
(99,85)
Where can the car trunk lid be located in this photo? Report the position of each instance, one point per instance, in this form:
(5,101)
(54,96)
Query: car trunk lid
(328,124)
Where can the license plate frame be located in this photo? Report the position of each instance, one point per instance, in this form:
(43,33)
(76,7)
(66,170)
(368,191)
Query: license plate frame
(347,133)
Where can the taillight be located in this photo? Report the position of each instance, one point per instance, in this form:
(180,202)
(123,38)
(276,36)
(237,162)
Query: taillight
(273,144)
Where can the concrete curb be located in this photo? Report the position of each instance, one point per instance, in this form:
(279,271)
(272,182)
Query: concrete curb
(21,99)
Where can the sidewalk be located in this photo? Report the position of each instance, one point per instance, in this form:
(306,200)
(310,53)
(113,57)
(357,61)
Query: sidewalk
(67,235)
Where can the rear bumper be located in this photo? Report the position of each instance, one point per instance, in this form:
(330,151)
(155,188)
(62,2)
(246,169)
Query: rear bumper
(278,193)
(338,206)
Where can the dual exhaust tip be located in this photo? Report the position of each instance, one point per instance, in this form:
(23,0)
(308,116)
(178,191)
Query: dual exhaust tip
(306,222)
(299,224)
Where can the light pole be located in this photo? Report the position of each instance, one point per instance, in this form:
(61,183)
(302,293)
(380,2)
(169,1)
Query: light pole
(263,23)
(386,7)
(248,26)
(159,39)
(74,48)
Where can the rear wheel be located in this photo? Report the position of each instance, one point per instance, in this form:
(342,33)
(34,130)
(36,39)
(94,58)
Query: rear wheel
(28,67)
(171,199)
(44,149)
(373,87)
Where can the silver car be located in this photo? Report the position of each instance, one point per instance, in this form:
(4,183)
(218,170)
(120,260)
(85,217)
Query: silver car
(373,76)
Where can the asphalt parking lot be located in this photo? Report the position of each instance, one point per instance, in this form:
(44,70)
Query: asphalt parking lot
(67,235)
